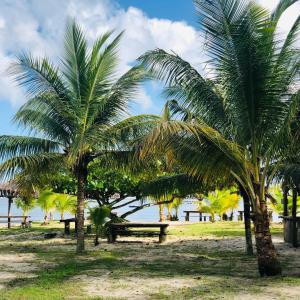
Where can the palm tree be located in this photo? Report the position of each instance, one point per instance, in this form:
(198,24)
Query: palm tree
(242,110)
(64,203)
(46,201)
(26,205)
(219,202)
(76,111)
(98,217)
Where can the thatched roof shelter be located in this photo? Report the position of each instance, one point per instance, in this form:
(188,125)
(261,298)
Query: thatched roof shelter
(8,190)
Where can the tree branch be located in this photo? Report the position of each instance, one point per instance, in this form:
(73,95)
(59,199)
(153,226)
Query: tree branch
(135,210)
(124,204)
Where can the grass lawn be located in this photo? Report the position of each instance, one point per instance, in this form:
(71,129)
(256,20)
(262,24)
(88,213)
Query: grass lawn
(199,261)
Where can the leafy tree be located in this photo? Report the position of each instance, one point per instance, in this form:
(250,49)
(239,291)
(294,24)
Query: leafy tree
(76,111)
(242,111)
(98,217)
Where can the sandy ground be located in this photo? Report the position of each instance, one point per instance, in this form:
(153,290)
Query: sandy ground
(101,282)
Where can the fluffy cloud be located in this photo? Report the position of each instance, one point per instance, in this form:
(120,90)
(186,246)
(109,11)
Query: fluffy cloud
(38,26)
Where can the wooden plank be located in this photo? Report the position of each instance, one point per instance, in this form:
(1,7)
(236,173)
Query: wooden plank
(136,233)
(138,225)
(5,217)
(68,220)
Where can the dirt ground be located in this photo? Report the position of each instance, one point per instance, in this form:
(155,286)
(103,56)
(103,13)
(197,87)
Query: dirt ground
(188,267)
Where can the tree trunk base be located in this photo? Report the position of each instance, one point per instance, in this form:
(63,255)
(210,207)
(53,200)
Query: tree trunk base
(269,267)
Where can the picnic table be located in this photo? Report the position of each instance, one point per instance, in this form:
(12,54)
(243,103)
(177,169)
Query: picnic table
(201,216)
(23,220)
(122,229)
(67,223)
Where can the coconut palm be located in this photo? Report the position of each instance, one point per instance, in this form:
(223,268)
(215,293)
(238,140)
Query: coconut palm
(219,202)
(241,110)
(76,111)
(46,201)
(26,205)
(64,203)
(98,217)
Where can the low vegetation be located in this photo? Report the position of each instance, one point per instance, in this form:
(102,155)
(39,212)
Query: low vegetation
(200,260)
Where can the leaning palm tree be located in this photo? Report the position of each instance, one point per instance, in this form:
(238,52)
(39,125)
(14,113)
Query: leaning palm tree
(243,108)
(76,110)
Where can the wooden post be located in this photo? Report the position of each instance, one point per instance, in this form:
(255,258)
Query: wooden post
(89,229)
(294,221)
(163,234)
(10,200)
(111,235)
(67,227)
(285,202)
(187,216)
(200,216)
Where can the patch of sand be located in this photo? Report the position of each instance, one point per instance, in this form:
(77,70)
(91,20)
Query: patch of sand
(16,266)
(131,288)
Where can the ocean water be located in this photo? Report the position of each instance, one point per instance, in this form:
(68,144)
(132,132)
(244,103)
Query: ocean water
(149,214)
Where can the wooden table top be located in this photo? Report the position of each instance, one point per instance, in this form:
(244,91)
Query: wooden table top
(134,224)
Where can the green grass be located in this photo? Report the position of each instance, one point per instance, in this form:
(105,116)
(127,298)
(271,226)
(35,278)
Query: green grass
(214,273)
(226,229)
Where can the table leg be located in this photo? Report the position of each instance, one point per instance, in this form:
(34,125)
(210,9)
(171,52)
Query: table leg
(67,228)
(163,234)
(111,236)
(200,217)
(187,216)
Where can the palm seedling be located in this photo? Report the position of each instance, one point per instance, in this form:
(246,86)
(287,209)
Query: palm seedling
(99,216)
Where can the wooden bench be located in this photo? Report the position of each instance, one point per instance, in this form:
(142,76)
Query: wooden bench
(23,220)
(122,229)
(67,223)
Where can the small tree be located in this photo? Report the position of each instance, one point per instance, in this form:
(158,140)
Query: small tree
(98,217)
(219,202)
(46,201)
(26,205)
(64,203)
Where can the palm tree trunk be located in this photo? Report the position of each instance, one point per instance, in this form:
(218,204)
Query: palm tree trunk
(81,177)
(161,213)
(96,242)
(62,216)
(268,263)
(247,221)
(169,214)
(45,219)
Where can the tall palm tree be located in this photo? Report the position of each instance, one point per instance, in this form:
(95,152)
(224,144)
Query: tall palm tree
(242,110)
(76,110)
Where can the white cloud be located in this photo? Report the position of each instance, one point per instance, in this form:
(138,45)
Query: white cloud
(144,100)
(38,26)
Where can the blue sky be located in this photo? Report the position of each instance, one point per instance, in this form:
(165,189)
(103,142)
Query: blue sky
(176,10)
(38,26)
(32,32)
